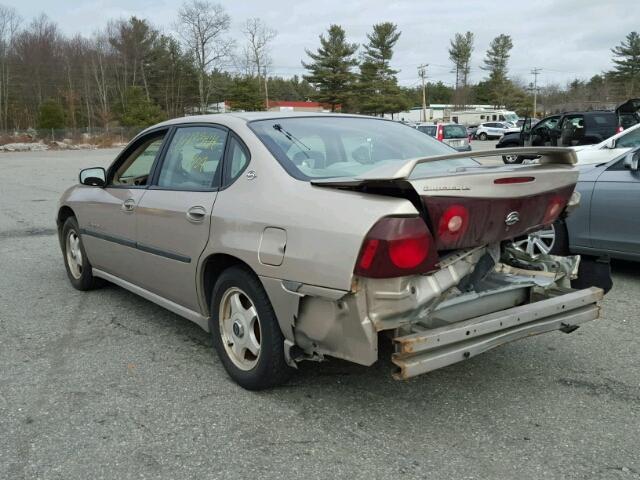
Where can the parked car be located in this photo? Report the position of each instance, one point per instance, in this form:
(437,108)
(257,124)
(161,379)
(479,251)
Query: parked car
(298,237)
(610,148)
(573,129)
(490,130)
(607,221)
(452,134)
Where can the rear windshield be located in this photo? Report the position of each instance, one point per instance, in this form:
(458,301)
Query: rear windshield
(331,147)
(454,131)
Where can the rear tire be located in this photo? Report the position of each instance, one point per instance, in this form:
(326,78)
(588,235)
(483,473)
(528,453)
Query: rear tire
(245,331)
(76,262)
(483,136)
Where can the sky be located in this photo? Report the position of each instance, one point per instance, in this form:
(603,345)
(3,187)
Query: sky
(567,39)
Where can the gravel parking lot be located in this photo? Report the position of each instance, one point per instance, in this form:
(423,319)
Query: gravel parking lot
(107,385)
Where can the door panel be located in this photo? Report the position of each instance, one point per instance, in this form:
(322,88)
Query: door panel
(170,243)
(109,229)
(108,220)
(174,216)
(615,211)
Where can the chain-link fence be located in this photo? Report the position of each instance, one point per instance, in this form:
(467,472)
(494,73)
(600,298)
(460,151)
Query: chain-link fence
(98,137)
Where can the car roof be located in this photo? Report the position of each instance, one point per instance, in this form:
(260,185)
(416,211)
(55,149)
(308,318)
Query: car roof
(233,118)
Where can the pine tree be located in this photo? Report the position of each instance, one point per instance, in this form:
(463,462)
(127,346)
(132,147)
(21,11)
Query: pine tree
(51,115)
(378,89)
(331,70)
(244,94)
(495,63)
(627,63)
(460,55)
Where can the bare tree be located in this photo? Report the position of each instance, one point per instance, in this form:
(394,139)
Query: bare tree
(9,23)
(256,51)
(201,26)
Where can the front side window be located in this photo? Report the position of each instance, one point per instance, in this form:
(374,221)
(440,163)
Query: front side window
(550,123)
(329,147)
(135,168)
(194,159)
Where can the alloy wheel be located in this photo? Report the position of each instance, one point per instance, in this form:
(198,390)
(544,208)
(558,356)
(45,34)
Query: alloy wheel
(74,254)
(240,328)
(537,243)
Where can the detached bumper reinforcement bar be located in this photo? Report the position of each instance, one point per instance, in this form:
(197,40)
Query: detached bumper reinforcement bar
(430,349)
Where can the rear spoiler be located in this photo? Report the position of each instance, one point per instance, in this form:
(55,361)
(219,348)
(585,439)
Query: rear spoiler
(391,171)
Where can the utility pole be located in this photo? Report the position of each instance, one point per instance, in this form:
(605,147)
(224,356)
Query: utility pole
(535,72)
(266,89)
(422,71)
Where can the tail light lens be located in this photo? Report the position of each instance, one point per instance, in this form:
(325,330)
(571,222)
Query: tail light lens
(555,206)
(453,223)
(396,247)
(440,133)
(620,129)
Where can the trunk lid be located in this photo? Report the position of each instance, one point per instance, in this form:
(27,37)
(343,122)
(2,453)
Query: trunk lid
(472,206)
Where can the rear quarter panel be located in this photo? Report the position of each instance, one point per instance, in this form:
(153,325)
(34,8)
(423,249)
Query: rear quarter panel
(324,226)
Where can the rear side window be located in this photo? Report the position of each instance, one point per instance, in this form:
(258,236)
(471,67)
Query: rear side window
(194,158)
(428,129)
(237,158)
(600,121)
(454,131)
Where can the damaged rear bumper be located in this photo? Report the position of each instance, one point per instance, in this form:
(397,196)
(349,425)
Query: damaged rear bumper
(424,350)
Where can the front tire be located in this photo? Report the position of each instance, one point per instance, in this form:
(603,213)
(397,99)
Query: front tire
(76,262)
(483,136)
(246,333)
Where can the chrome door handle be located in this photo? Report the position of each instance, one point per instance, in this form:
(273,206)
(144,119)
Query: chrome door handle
(128,205)
(196,214)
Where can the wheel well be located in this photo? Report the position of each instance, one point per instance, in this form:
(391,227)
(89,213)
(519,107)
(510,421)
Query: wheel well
(213,266)
(64,213)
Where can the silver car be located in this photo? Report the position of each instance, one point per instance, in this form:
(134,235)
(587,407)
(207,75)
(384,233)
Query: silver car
(300,237)
(607,223)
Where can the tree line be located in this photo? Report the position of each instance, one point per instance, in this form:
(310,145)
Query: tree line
(132,73)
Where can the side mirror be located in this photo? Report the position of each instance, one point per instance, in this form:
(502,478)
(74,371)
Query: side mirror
(611,143)
(93,177)
(631,161)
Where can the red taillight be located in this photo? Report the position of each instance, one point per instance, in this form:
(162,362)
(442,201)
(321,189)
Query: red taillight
(396,247)
(620,129)
(440,133)
(409,252)
(555,206)
(453,223)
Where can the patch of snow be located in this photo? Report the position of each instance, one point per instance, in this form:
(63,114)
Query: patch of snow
(24,147)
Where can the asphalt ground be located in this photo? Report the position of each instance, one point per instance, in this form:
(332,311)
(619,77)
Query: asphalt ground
(107,385)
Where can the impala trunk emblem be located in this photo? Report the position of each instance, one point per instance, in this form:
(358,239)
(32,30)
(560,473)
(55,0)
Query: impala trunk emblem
(512,218)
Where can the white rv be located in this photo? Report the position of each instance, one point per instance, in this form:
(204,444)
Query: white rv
(477,116)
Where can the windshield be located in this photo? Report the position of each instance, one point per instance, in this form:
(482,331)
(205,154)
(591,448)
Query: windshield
(330,147)
(511,117)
